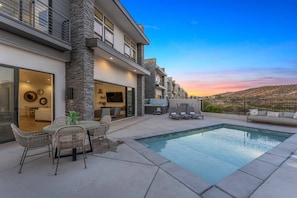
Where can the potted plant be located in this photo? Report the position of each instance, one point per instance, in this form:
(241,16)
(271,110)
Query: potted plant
(74,116)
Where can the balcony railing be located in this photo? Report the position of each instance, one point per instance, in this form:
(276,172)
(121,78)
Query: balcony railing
(39,16)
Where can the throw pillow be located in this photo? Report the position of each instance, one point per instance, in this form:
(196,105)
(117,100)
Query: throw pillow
(262,113)
(272,114)
(254,111)
(289,114)
(295,116)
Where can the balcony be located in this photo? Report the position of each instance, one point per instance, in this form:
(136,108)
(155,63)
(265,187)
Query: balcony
(36,21)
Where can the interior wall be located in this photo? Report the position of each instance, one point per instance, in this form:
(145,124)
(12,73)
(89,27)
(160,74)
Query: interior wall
(100,95)
(24,87)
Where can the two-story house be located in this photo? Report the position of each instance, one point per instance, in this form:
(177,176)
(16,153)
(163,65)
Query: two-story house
(68,55)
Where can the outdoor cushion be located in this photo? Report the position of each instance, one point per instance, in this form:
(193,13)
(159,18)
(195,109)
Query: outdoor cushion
(254,111)
(262,113)
(288,114)
(295,116)
(272,114)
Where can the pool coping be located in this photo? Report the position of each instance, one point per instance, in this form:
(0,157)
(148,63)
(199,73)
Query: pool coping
(251,176)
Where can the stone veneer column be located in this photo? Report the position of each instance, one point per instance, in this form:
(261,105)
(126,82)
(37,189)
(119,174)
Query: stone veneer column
(80,70)
(140,82)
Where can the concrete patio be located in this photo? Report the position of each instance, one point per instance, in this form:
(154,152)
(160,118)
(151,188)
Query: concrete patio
(131,170)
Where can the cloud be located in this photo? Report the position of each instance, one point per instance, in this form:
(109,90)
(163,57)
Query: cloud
(151,27)
(210,83)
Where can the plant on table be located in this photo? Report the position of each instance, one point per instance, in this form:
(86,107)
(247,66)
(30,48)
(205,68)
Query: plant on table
(74,116)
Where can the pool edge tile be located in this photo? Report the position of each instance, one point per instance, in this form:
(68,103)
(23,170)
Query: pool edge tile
(188,178)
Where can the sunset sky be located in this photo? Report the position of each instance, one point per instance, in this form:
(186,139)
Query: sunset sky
(216,46)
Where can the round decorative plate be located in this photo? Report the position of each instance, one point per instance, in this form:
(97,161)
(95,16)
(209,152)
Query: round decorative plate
(40,91)
(43,101)
(30,96)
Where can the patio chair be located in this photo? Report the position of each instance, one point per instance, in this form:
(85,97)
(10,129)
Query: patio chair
(173,114)
(70,137)
(101,131)
(30,141)
(194,115)
(105,111)
(182,109)
(116,113)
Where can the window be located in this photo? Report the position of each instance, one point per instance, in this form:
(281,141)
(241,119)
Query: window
(108,37)
(103,28)
(129,48)
(98,29)
(98,14)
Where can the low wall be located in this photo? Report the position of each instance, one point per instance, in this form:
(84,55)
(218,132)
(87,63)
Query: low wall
(226,116)
(195,103)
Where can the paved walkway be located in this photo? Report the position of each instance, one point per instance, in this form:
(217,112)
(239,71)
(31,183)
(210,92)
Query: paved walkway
(131,170)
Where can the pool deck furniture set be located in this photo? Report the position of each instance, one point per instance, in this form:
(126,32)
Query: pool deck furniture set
(184,113)
(272,117)
(60,136)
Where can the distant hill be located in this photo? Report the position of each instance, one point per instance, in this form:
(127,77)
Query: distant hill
(283,91)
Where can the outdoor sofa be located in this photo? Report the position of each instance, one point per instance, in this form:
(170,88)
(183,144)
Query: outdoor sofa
(282,118)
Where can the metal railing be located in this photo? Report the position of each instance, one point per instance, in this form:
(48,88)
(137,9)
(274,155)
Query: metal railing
(240,106)
(39,16)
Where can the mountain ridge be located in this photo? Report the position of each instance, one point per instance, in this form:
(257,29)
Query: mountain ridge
(275,91)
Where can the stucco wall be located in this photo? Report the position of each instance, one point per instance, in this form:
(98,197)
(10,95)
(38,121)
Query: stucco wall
(14,56)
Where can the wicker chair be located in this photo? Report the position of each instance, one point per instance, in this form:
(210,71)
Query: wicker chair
(30,140)
(101,131)
(69,137)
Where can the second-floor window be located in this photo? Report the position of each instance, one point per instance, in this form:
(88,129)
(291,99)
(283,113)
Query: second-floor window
(129,48)
(103,28)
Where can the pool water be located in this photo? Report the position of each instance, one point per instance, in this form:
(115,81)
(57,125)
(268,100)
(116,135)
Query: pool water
(215,152)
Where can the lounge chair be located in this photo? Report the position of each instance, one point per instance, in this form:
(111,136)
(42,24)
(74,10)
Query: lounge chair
(183,112)
(173,113)
(193,114)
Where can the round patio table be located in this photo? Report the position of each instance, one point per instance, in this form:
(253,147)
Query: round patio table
(89,125)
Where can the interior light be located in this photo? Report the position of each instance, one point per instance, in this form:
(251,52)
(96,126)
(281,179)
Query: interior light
(28,81)
(111,58)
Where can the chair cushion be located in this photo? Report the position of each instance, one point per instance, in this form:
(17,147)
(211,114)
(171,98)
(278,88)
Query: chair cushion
(254,111)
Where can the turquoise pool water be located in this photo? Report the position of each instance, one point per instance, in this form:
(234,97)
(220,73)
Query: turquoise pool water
(215,152)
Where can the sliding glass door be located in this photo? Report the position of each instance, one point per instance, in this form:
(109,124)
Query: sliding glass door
(130,102)
(7,103)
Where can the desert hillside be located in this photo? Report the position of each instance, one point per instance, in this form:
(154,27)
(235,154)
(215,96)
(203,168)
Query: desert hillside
(283,91)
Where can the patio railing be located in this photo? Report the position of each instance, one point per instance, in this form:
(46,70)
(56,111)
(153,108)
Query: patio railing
(240,106)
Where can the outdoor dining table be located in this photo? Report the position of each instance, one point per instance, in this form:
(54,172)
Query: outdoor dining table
(89,125)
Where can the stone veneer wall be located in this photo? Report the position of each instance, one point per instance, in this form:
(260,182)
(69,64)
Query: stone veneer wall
(150,90)
(80,70)
(140,82)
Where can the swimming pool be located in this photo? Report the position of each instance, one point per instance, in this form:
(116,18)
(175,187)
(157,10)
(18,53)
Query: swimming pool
(215,152)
